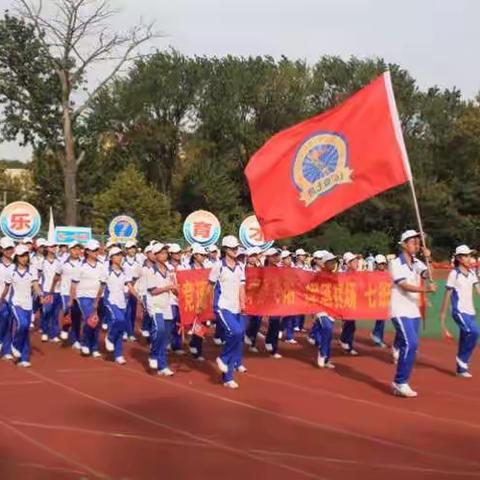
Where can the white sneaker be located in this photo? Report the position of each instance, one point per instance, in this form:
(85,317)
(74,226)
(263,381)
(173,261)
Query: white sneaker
(353,353)
(465,375)
(292,341)
(404,390)
(15,352)
(32,325)
(55,340)
(8,356)
(96,354)
(260,335)
(344,346)
(217,341)
(247,340)
(193,350)
(322,362)
(132,338)
(120,361)
(64,335)
(153,363)
(378,341)
(296,329)
(145,333)
(223,367)
(241,369)
(199,359)
(280,335)
(276,356)
(24,364)
(109,346)
(269,347)
(104,327)
(166,372)
(125,336)
(44,338)
(395,355)
(85,351)
(179,352)
(253,350)
(311,340)
(77,346)
(231,384)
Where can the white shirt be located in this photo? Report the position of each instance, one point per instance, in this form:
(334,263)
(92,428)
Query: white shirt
(141,283)
(49,270)
(36,261)
(131,267)
(461,286)
(159,303)
(403,303)
(227,286)
(5,273)
(67,270)
(89,279)
(21,287)
(115,293)
(173,269)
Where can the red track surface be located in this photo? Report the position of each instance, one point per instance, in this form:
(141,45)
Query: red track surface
(71,418)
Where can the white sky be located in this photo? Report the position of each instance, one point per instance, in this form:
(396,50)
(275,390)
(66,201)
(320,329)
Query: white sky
(436,40)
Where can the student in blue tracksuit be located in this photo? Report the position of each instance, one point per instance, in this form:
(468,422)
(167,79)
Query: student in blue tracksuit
(132,270)
(272,259)
(161,285)
(407,272)
(253,322)
(86,282)
(141,288)
(116,304)
(65,272)
(6,268)
(174,264)
(316,266)
(196,262)
(347,336)
(22,282)
(50,319)
(459,293)
(378,332)
(227,279)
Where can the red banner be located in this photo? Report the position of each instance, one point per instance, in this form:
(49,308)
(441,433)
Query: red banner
(290,291)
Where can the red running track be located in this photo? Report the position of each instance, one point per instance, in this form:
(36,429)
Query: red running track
(73,418)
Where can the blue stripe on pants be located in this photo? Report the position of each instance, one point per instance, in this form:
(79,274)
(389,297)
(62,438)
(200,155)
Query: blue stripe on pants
(406,340)
(234,330)
(5,329)
(467,341)
(160,338)
(21,338)
(324,335)
(116,327)
(89,334)
(50,323)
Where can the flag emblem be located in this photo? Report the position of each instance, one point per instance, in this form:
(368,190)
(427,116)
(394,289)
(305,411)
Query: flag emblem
(320,164)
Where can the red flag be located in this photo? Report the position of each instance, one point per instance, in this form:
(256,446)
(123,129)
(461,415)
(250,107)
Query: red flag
(312,171)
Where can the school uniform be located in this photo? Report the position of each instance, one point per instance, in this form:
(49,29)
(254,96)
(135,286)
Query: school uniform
(253,324)
(160,310)
(219,334)
(405,313)
(463,313)
(132,270)
(176,338)
(227,282)
(67,270)
(141,287)
(36,261)
(115,303)
(6,270)
(50,311)
(21,304)
(89,278)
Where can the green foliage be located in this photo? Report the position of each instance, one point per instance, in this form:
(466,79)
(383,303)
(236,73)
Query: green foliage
(130,194)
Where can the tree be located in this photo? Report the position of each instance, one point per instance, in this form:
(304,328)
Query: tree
(130,194)
(66,44)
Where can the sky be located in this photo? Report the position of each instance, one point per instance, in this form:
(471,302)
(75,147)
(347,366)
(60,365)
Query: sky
(436,40)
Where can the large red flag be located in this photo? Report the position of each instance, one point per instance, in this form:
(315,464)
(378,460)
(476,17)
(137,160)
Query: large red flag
(312,171)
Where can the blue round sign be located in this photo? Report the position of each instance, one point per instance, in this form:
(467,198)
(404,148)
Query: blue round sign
(123,229)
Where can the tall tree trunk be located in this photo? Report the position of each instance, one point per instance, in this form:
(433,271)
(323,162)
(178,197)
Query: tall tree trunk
(69,169)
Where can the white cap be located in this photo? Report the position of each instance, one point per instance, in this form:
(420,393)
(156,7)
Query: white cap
(285,254)
(153,242)
(408,234)
(254,251)
(212,248)
(6,242)
(148,249)
(463,250)
(349,256)
(319,254)
(131,244)
(174,248)
(50,243)
(300,251)
(41,242)
(21,250)
(110,243)
(92,245)
(271,252)
(241,251)
(74,244)
(380,259)
(27,240)
(230,241)
(158,247)
(328,256)
(198,249)
(114,251)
